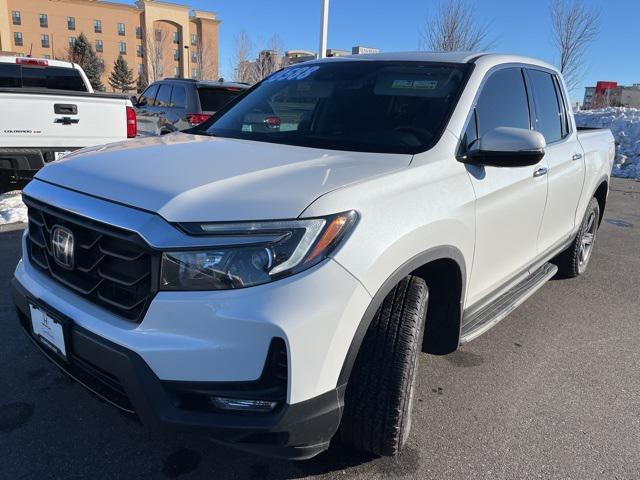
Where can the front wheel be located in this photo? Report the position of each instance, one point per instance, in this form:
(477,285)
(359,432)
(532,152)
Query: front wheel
(379,397)
(574,260)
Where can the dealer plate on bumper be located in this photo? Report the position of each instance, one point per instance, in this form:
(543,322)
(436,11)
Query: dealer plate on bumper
(48,331)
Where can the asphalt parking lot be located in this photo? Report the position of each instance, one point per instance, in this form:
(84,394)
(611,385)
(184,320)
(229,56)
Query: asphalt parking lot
(551,392)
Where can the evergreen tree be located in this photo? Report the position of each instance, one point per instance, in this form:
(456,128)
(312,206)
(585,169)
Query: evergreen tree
(82,53)
(142,83)
(121,78)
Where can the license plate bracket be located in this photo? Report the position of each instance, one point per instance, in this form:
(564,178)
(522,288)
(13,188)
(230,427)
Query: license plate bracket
(49,330)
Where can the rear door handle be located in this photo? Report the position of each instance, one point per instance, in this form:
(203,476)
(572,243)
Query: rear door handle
(540,172)
(65,109)
(576,156)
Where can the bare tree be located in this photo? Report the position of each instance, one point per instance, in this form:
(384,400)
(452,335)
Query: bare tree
(267,60)
(203,65)
(242,64)
(575,27)
(454,28)
(157,46)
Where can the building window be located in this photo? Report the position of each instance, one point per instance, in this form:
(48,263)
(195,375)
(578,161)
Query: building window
(121,29)
(176,37)
(99,46)
(71,23)
(15,16)
(17,38)
(158,35)
(72,41)
(160,70)
(141,68)
(44,40)
(122,47)
(176,72)
(194,39)
(44,20)
(194,73)
(139,52)
(138,33)
(194,56)
(97,26)
(176,55)
(47,57)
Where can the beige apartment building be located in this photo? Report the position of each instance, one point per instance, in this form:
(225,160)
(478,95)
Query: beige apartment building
(158,39)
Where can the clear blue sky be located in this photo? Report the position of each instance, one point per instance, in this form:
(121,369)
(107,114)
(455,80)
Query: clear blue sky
(518,26)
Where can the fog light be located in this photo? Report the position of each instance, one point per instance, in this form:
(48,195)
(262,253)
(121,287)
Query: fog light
(243,405)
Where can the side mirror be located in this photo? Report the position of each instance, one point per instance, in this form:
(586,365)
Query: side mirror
(507,147)
(134,100)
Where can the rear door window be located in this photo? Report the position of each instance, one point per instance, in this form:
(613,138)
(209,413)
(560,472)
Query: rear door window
(213,99)
(148,97)
(178,97)
(547,105)
(163,99)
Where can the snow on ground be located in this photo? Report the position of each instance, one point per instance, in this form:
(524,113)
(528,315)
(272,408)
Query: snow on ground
(11,208)
(625,125)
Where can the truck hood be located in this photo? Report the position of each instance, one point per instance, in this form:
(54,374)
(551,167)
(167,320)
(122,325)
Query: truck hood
(191,178)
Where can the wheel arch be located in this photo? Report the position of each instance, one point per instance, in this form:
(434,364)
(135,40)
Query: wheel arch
(600,195)
(444,270)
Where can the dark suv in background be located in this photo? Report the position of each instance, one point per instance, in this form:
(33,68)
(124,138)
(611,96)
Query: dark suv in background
(175,104)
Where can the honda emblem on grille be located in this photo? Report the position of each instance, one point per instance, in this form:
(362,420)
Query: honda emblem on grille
(62,246)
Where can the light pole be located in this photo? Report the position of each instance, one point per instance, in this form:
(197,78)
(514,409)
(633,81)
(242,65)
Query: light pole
(324,26)
(186,48)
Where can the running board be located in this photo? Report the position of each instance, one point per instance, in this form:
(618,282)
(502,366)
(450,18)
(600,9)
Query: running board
(488,316)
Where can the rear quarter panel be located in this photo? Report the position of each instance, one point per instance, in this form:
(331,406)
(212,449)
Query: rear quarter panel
(599,154)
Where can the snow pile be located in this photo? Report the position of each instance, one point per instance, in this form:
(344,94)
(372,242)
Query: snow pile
(625,125)
(12,209)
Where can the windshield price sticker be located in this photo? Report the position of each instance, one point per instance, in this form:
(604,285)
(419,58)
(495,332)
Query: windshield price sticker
(415,84)
(298,73)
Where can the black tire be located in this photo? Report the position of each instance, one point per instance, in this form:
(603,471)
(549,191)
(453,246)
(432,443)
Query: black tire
(379,397)
(573,261)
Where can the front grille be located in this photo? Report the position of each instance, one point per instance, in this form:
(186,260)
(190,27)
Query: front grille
(113,268)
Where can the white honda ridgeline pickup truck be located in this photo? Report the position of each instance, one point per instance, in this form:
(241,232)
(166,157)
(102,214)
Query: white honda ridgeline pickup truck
(269,278)
(47,109)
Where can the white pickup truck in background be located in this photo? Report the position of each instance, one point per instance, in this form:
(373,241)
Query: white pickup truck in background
(48,109)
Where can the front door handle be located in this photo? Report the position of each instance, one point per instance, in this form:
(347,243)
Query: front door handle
(576,156)
(540,172)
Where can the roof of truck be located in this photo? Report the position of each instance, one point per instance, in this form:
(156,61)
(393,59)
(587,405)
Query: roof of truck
(444,57)
(50,62)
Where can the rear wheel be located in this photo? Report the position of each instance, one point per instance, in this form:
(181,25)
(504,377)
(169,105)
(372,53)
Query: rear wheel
(379,397)
(574,261)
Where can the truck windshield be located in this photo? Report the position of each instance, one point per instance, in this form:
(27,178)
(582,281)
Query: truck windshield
(371,106)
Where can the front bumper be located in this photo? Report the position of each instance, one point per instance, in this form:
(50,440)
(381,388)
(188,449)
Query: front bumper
(122,378)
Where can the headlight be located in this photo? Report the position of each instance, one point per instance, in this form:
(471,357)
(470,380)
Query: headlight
(280,249)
